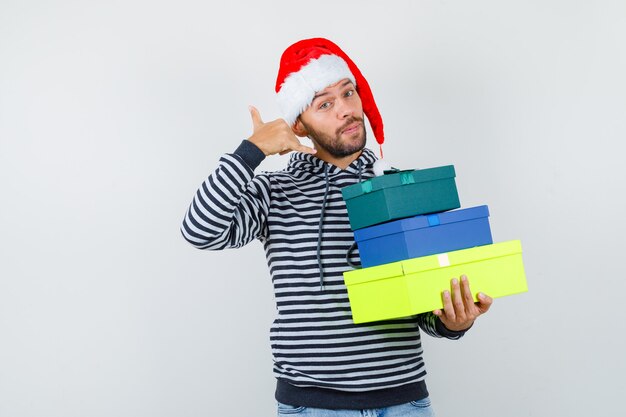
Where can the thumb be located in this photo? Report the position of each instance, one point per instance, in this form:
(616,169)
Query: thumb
(484,302)
(256,117)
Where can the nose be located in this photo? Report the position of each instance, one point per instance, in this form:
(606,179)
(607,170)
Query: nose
(343,109)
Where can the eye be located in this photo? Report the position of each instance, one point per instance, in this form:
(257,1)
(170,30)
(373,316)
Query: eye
(349,93)
(324,105)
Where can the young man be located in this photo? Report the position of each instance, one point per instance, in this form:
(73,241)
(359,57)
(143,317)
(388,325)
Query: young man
(325,364)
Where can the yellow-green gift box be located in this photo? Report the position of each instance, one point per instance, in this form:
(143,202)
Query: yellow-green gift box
(414,286)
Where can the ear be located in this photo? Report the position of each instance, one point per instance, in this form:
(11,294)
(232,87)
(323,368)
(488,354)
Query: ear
(299,129)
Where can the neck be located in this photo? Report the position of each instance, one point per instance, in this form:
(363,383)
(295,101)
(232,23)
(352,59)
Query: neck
(342,162)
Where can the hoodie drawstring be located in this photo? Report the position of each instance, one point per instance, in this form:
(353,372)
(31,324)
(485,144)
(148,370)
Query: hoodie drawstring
(360,167)
(321,227)
(319,236)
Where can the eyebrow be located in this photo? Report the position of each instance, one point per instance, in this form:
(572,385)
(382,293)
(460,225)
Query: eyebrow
(318,95)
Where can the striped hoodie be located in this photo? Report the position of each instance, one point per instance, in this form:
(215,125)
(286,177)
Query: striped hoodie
(321,358)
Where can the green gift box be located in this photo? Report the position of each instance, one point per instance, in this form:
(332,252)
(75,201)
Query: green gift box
(414,286)
(401,194)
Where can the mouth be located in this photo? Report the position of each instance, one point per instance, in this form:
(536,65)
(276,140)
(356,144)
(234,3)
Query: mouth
(351,128)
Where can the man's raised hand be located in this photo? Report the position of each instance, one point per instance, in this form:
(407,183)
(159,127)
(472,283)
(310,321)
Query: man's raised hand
(275,137)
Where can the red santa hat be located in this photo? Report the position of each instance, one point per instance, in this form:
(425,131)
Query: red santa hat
(309,66)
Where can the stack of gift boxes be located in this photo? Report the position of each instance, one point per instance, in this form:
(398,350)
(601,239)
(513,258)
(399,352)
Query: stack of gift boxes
(412,242)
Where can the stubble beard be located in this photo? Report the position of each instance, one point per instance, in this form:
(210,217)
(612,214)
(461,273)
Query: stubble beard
(334,145)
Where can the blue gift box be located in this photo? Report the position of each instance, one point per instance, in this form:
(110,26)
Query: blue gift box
(423,235)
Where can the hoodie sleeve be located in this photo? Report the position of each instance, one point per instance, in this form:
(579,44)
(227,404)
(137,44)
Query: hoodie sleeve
(433,326)
(230,208)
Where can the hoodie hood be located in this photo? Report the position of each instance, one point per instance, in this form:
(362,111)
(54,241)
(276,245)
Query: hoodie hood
(310,163)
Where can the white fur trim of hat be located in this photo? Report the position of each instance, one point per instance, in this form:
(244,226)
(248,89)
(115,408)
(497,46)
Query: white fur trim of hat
(299,88)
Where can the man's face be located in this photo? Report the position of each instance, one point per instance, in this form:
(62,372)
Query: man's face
(334,120)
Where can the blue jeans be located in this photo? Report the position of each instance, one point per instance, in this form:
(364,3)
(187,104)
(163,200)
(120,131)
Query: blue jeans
(419,408)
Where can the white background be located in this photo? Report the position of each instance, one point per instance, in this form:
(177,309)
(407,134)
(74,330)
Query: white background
(112,113)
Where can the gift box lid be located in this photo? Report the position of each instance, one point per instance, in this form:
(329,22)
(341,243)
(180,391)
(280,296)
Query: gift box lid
(420,222)
(397,179)
(373,273)
(426,263)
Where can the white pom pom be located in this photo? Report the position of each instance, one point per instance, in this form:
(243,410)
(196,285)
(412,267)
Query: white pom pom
(380,167)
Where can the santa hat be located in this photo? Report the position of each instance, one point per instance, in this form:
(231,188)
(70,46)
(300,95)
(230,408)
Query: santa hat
(309,66)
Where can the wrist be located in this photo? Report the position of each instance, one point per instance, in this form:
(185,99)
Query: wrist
(250,153)
(445,331)
(253,140)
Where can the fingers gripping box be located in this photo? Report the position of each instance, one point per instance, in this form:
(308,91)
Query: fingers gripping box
(414,286)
